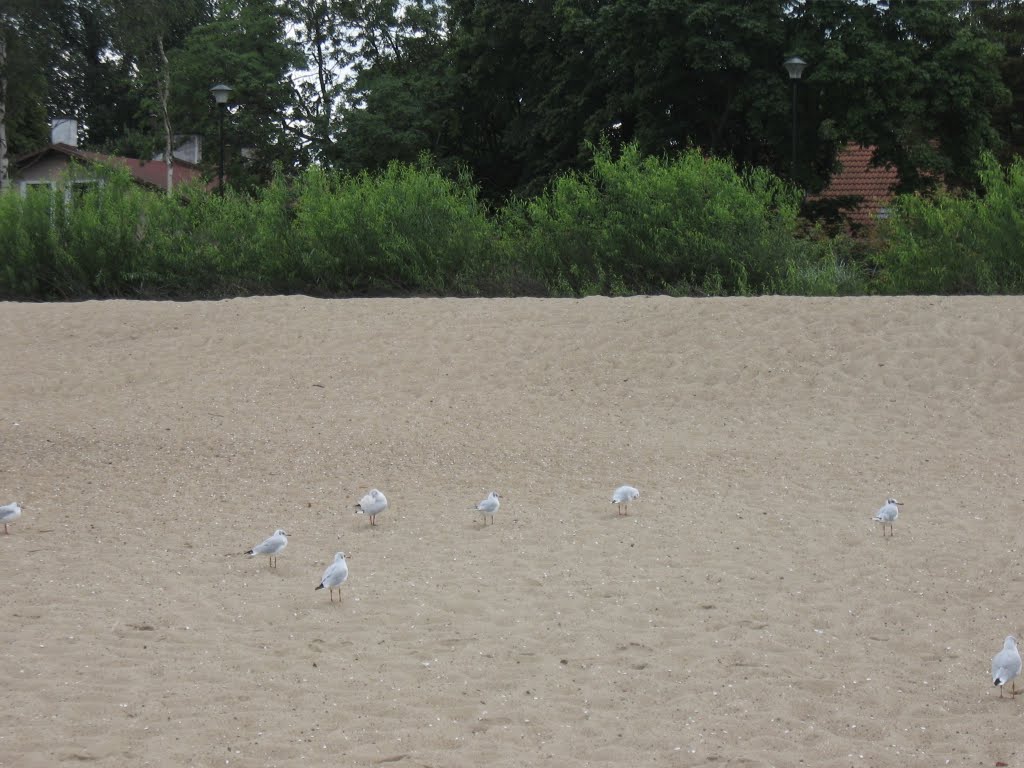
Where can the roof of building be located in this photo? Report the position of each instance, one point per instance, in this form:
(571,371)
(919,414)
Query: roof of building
(152,173)
(858,177)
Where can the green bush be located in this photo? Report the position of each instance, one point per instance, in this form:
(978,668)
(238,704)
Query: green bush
(690,225)
(644,225)
(958,244)
(406,230)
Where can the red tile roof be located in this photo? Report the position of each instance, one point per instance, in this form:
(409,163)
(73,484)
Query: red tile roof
(857,177)
(152,173)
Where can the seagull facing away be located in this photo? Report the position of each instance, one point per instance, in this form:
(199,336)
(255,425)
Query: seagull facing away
(622,496)
(9,513)
(888,514)
(1006,666)
(335,575)
(271,547)
(372,504)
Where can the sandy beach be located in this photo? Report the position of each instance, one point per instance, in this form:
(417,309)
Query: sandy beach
(746,612)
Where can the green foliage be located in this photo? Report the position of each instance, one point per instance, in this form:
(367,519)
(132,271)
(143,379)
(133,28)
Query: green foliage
(644,225)
(918,80)
(691,225)
(958,244)
(827,268)
(405,230)
(244,46)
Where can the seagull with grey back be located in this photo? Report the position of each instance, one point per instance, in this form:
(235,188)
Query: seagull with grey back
(271,547)
(372,504)
(1006,666)
(489,506)
(887,514)
(9,513)
(335,575)
(622,496)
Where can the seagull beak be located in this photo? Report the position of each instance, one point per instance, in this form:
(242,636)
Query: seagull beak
(899,503)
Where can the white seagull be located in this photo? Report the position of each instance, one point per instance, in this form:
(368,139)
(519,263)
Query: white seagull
(888,514)
(9,513)
(1006,666)
(489,506)
(335,575)
(272,547)
(622,496)
(372,504)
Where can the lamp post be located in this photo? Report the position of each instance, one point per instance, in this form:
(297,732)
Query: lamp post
(795,66)
(221,94)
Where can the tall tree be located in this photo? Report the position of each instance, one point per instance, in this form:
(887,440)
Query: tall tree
(399,102)
(919,80)
(24,53)
(324,31)
(1003,21)
(143,32)
(245,46)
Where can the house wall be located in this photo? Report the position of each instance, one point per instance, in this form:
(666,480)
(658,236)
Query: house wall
(47,169)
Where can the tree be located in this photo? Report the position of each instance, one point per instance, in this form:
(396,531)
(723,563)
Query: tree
(540,82)
(919,80)
(246,47)
(323,29)
(24,51)
(1003,21)
(143,31)
(399,104)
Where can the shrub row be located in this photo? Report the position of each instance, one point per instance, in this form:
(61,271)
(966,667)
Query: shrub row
(692,225)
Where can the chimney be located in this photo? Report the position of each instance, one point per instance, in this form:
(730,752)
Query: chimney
(190,148)
(64,130)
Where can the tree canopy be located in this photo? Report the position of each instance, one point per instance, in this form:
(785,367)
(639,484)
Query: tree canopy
(517,91)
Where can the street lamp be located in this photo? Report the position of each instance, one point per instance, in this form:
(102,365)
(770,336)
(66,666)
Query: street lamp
(221,94)
(795,66)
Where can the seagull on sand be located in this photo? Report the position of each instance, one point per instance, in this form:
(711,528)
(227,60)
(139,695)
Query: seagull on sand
(335,575)
(272,547)
(372,504)
(489,506)
(623,495)
(1006,666)
(888,514)
(9,513)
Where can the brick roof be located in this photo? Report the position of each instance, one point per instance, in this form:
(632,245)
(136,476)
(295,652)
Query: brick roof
(152,173)
(857,177)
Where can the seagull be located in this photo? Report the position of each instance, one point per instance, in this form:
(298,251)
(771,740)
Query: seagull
(335,575)
(888,513)
(9,513)
(1006,666)
(372,504)
(623,495)
(489,506)
(271,546)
